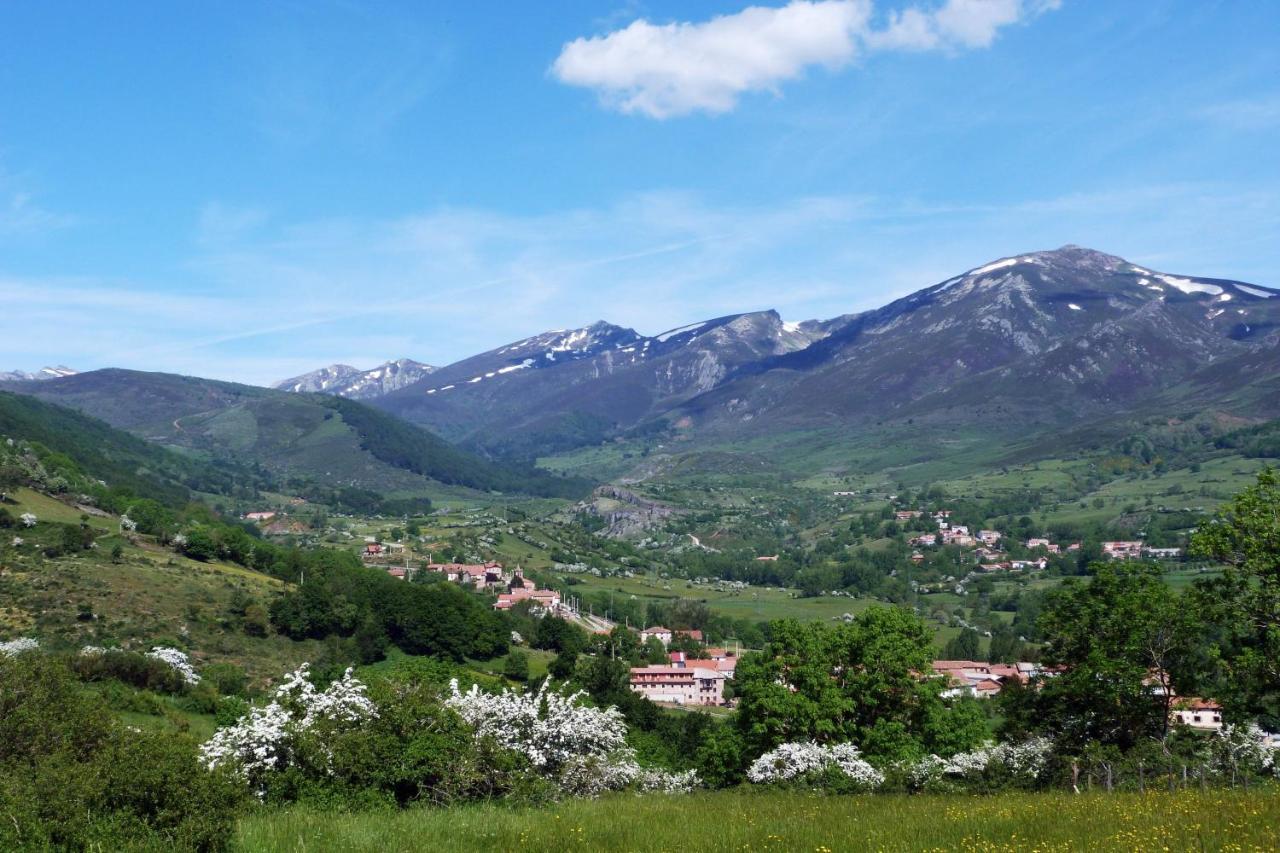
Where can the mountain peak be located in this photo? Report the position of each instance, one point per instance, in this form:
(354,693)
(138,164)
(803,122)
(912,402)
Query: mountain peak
(344,380)
(55,372)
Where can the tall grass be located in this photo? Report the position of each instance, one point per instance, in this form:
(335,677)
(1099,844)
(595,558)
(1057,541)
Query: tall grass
(1189,820)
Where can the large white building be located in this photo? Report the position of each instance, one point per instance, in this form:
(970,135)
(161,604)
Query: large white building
(679,685)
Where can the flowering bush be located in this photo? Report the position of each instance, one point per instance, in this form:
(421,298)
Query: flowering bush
(28,519)
(266,739)
(1021,762)
(797,761)
(178,661)
(549,727)
(1246,748)
(13,648)
(581,749)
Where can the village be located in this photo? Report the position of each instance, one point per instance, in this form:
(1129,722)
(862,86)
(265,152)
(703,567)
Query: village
(991,557)
(700,675)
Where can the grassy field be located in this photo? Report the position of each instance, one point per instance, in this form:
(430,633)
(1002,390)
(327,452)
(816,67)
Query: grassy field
(756,603)
(797,822)
(150,596)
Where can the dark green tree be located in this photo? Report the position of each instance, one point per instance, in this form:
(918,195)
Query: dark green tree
(963,646)
(1121,644)
(517,666)
(859,682)
(1245,602)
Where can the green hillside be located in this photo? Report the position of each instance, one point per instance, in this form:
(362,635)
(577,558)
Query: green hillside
(312,444)
(68,442)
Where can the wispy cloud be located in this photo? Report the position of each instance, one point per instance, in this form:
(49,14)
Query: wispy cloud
(275,299)
(665,70)
(956,24)
(1257,113)
(342,71)
(21,213)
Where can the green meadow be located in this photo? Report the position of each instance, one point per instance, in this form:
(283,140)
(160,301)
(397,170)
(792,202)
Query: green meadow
(777,821)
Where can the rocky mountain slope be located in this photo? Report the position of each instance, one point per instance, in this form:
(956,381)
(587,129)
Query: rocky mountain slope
(1047,336)
(565,388)
(1040,338)
(346,381)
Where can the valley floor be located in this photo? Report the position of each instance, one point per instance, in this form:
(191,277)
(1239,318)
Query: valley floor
(732,820)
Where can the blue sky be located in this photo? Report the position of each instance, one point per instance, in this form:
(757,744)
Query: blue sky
(248,191)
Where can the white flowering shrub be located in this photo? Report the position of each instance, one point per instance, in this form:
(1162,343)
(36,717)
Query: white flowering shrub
(266,739)
(18,541)
(28,519)
(178,661)
(548,726)
(13,648)
(792,761)
(1245,748)
(581,749)
(1022,761)
(1026,759)
(971,763)
(127,524)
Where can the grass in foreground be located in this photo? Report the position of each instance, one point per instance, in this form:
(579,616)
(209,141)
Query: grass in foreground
(1216,820)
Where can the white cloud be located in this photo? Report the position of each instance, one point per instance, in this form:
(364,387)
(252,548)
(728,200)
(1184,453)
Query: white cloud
(955,24)
(672,69)
(665,70)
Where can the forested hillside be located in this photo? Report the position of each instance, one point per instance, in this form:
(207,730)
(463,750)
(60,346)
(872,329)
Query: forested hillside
(70,443)
(303,441)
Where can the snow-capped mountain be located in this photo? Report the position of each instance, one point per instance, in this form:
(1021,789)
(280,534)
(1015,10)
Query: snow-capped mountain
(41,374)
(575,385)
(346,381)
(1049,336)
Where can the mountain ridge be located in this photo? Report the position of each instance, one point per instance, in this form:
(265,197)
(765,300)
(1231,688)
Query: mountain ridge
(1072,330)
(344,380)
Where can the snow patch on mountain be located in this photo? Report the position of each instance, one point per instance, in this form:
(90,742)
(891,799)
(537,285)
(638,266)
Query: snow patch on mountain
(668,335)
(1188,286)
(995,265)
(55,372)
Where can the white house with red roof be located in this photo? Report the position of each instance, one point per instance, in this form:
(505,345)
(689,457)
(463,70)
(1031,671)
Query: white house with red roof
(1197,713)
(1123,550)
(663,634)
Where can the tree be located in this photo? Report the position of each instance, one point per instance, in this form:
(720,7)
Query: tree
(654,651)
(563,666)
(1245,602)
(963,646)
(517,666)
(1005,645)
(858,682)
(1124,642)
(199,545)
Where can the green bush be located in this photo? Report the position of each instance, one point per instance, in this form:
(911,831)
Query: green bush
(132,668)
(229,679)
(72,776)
